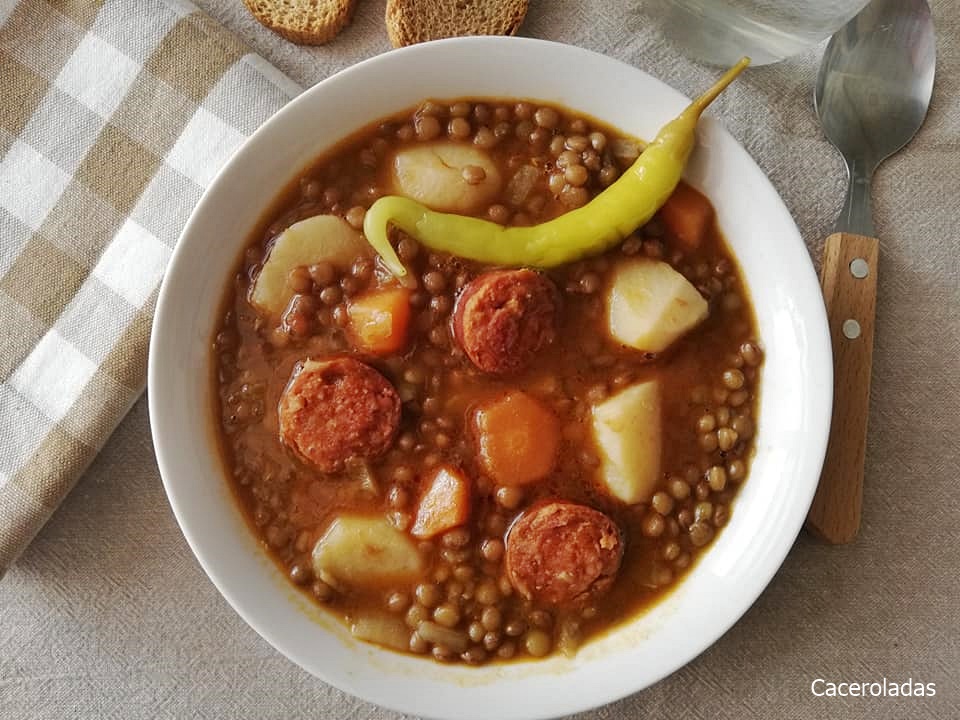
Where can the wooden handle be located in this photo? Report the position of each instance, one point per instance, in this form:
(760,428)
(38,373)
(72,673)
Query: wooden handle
(849,282)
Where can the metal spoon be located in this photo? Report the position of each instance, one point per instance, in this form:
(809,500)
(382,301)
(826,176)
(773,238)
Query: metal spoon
(872,94)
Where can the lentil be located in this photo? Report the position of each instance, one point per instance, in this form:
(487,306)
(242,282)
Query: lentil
(662,502)
(709,441)
(492,549)
(417,644)
(537,643)
(706,423)
(322,591)
(509,496)
(474,656)
(742,426)
(507,650)
(653,525)
(515,628)
(547,117)
(434,282)
(407,248)
(499,214)
(322,273)
(427,127)
(484,138)
(727,438)
(679,488)
(331,295)
(429,595)
(738,398)
(556,182)
(717,478)
(733,379)
(723,416)
(446,615)
(700,534)
(300,574)
(487,593)
(736,470)
(576,175)
(491,618)
(750,353)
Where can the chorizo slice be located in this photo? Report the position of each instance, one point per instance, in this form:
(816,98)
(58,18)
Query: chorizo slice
(335,410)
(563,553)
(503,318)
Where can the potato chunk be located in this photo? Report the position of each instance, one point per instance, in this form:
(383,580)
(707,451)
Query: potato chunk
(650,305)
(446,176)
(628,434)
(366,552)
(322,238)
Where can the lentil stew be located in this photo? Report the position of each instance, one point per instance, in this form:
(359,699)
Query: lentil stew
(484,463)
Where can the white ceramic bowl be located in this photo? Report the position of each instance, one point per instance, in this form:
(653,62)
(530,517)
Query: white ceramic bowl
(794,410)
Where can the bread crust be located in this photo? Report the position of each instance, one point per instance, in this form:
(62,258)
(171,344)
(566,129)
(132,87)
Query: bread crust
(416,21)
(301,21)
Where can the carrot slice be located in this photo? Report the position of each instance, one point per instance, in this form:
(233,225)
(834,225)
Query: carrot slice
(379,320)
(518,439)
(445,504)
(687,215)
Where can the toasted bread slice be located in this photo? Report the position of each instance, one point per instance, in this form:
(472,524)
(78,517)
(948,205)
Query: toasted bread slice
(415,21)
(305,22)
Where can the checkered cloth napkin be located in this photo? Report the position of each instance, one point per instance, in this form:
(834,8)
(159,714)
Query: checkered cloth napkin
(114,117)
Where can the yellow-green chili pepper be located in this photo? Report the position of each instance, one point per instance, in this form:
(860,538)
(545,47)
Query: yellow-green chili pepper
(600,224)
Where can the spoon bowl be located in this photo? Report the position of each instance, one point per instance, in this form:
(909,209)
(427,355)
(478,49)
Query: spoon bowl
(873,90)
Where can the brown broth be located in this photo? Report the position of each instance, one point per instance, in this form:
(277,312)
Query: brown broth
(289,505)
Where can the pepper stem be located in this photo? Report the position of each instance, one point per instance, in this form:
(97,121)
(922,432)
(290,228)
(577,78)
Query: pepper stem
(701,103)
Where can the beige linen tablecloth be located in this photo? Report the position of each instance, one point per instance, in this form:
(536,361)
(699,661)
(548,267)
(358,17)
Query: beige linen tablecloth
(107,614)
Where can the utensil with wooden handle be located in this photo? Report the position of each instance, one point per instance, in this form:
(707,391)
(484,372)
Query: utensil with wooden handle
(872,94)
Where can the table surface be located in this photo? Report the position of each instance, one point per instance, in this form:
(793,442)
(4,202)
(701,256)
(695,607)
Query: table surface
(108,615)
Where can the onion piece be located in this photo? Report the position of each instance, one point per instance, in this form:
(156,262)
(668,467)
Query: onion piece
(382,630)
(569,637)
(455,640)
(625,150)
(521,185)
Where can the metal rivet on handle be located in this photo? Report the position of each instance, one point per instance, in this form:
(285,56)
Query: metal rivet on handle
(859,268)
(851,329)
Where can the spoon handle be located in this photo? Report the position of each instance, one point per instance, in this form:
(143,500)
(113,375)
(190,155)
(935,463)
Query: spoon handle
(849,282)
(855,215)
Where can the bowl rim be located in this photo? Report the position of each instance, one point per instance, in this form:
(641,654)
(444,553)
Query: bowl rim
(162,328)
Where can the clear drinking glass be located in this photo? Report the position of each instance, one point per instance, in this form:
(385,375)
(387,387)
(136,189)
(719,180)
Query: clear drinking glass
(723,31)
